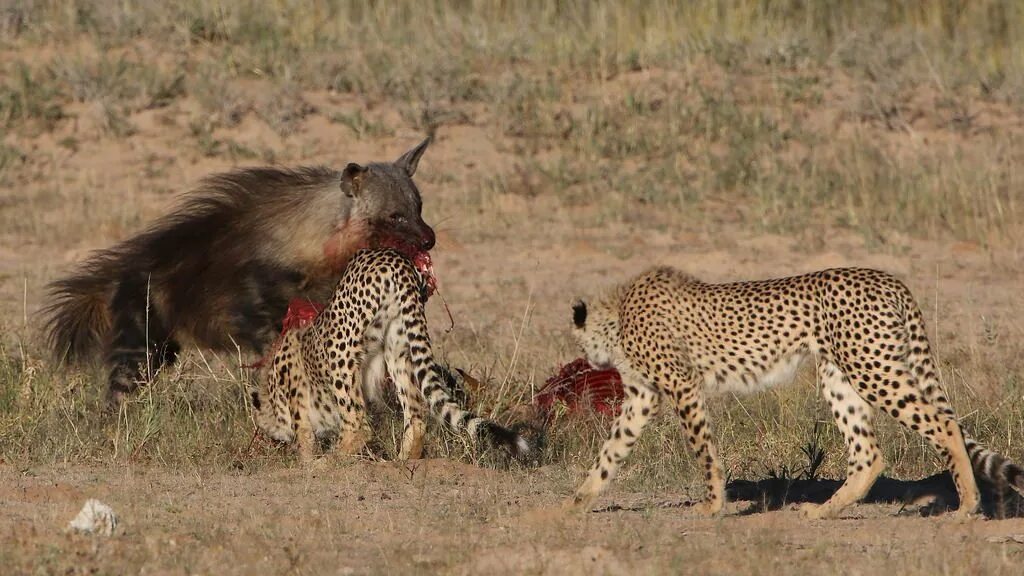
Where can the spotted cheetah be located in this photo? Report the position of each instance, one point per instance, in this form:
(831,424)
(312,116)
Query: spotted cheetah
(321,375)
(676,338)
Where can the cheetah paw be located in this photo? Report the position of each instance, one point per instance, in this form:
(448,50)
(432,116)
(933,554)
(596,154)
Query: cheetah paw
(706,509)
(575,505)
(963,514)
(813,511)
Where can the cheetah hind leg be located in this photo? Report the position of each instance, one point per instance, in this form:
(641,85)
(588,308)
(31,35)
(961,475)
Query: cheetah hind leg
(353,429)
(640,405)
(410,397)
(864,459)
(939,427)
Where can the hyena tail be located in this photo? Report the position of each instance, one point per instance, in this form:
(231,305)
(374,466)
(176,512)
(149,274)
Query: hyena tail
(78,317)
(991,466)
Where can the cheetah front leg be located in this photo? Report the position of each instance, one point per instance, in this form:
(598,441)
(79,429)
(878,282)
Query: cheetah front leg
(685,386)
(864,460)
(640,405)
(302,428)
(347,387)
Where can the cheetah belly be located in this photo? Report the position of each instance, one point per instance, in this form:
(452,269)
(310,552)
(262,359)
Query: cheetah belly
(719,380)
(373,372)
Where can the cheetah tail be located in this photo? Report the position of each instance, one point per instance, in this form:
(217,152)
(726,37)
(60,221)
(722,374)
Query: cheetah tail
(511,440)
(479,429)
(987,464)
(995,467)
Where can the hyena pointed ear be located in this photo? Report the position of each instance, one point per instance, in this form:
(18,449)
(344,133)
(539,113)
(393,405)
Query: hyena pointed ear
(579,313)
(352,179)
(411,159)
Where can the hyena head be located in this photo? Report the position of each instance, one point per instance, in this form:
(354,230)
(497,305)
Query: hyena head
(385,197)
(596,329)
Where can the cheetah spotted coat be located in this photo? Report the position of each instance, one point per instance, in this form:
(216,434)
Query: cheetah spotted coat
(676,339)
(321,375)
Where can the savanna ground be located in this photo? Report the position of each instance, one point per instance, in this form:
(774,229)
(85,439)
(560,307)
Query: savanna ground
(575,145)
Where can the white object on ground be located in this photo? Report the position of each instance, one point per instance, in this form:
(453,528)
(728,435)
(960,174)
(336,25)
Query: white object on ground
(95,518)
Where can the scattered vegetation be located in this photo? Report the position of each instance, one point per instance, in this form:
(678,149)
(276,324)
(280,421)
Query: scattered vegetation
(878,115)
(891,119)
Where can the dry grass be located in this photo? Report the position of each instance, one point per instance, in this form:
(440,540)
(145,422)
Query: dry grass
(669,105)
(578,142)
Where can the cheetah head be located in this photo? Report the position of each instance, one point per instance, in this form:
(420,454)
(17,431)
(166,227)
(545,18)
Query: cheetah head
(596,331)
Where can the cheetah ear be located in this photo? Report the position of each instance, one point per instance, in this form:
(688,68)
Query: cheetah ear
(411,159)
(352,179)
(579,313)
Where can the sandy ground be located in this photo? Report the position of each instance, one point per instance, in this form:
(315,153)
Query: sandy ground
(510,265)
(445,517)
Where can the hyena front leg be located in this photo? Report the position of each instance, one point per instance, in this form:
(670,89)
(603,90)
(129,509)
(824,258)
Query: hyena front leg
(399,363)
(140,344)
(640,405)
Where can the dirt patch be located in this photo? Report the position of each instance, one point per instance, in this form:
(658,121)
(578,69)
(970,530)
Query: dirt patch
(551,176)
(447,518)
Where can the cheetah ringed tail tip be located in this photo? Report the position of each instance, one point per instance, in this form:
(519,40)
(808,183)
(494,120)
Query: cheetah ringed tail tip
(509,439)
(437,389)
(995,467)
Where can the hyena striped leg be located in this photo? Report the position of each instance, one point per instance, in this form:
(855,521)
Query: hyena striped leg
(640,405)
(427,375)
(409,395)
(140,344)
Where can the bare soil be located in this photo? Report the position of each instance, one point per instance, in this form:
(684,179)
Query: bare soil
(510,261)
(440,516)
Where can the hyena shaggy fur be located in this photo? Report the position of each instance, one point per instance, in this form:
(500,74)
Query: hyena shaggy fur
(219,270)
(322,375)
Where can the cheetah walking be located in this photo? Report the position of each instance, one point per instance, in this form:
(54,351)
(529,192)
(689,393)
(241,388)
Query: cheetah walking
(321,375)
(675,339)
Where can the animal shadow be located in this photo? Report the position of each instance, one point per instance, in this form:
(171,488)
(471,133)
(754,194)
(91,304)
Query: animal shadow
(928,496)
(932,495)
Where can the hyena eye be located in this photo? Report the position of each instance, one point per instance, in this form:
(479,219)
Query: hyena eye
(397,217)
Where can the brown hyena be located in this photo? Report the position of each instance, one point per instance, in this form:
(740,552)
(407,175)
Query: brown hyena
(219,270)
